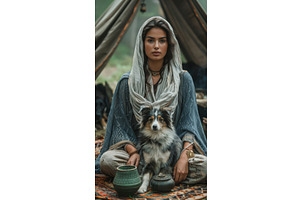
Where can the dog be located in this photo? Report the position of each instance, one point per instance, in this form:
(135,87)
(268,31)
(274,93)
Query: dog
(158,144)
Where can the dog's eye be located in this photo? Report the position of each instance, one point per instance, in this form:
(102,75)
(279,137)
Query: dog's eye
(161,119)
(150,119)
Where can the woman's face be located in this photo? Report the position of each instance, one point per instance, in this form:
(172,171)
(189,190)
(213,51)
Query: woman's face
(156,44)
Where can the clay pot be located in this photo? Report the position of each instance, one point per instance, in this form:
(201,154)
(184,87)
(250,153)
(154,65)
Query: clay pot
(162,183)
(127,180)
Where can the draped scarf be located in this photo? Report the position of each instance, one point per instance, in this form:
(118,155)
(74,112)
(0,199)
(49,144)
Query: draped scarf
(166,95)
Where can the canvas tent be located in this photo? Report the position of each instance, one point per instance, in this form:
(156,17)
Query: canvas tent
(188,18)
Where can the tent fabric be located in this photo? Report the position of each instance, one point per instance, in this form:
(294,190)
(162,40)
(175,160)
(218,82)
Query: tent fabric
(188,19)
(110,29)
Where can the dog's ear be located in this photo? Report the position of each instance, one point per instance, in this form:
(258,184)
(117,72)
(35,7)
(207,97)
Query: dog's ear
(145,111)
(166,114)
(166,110)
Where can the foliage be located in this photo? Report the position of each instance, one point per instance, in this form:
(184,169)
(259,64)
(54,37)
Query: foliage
(119,63)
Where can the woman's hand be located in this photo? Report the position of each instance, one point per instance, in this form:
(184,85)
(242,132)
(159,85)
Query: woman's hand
(181,168)
(134,159)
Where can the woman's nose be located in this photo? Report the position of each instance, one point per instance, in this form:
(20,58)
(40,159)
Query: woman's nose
(156,45)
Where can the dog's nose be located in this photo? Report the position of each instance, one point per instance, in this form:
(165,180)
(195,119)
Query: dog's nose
(154,127)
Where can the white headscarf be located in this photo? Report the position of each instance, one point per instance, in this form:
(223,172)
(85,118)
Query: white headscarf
(167,91)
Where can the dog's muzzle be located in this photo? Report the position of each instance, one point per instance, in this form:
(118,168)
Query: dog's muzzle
(154,127)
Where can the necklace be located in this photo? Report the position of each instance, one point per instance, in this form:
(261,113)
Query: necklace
(155,73)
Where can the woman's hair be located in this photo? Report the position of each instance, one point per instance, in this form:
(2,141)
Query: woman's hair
(157,23)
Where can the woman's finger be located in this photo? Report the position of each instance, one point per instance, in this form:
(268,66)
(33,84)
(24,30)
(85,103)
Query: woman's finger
(178,177)
(183,177)
(174,172)
(137,162)
(129,162)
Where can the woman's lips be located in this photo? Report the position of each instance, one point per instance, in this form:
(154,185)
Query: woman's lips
(156,53)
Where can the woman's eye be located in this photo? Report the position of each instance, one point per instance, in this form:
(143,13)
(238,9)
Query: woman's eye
(162,41)
(150,41)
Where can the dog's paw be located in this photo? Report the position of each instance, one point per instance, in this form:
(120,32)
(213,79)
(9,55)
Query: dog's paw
(142,189)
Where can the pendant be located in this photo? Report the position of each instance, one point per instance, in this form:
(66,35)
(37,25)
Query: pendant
(155,73)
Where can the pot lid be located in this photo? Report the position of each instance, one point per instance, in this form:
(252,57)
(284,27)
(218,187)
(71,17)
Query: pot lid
(162,177)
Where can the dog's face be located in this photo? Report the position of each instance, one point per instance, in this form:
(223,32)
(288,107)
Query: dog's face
(155,119)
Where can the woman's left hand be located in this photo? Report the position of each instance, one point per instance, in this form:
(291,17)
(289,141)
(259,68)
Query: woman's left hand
(181,168)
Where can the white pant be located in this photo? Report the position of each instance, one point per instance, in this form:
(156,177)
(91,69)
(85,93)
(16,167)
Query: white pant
(112,159)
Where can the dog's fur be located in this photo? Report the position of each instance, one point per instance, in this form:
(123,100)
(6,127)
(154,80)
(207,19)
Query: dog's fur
(103,94)
(159,146)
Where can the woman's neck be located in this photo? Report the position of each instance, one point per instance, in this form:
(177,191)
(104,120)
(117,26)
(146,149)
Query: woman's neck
(155,65)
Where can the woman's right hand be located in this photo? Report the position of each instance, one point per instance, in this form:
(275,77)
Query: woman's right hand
(134,159)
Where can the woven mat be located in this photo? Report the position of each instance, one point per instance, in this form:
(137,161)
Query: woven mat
(104,188)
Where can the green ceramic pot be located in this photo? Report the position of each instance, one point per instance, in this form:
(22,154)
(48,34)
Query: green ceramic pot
(127,180)
(162,183)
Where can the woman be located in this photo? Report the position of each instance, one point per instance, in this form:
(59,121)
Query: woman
(156,79)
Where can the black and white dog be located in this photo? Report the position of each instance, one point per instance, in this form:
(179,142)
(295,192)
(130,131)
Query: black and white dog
(159,146)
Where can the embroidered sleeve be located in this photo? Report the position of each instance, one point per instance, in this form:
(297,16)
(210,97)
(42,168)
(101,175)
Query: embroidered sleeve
(188,137)
(121,122)
(187,119)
